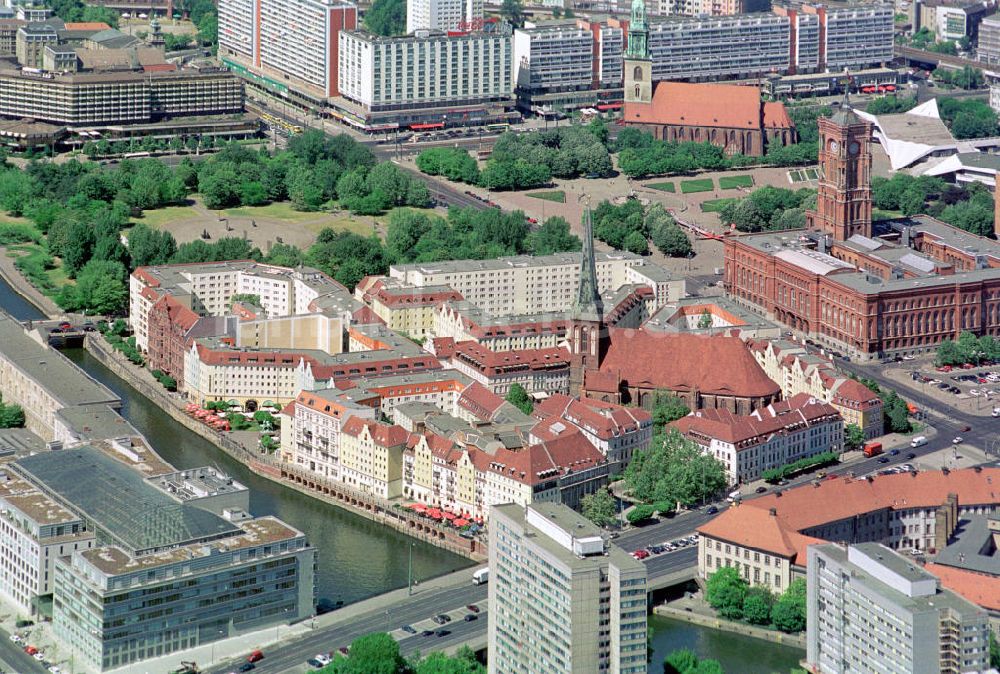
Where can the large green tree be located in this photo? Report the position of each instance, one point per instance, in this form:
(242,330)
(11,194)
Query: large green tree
(674,470)
(789,611)
(553,236)
(599,508)
(386,17)
(376,653)
(520,399)
(726,592)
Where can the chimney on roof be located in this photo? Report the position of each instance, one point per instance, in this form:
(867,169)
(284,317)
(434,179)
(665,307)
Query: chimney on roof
(773,512)
(978,469)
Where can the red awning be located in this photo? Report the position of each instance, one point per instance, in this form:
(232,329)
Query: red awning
(609,106)
(461,523)
(448,516)
(421,127)
(434,513)
(419,507)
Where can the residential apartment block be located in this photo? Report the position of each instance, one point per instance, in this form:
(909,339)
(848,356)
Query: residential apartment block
(536,370)
(311,428)
(766,538)
(798,371)
(523,284)
(464,321)
(445,15)
(769,437)
(403,308)
(872,610)
(410,76)
(561,598)
(286,47)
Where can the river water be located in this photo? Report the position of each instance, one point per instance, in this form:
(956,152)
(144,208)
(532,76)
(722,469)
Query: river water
(358,558)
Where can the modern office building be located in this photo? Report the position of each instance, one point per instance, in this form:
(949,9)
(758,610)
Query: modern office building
(446,15)
(561,598)
(167,572)
(428,77)
(552,58)
(988,49)
(285,47)
(872,611)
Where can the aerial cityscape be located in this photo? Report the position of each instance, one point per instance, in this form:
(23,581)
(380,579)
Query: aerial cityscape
(507,337)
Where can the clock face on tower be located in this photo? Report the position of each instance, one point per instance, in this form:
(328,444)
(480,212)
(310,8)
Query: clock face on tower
(834,146)
(853,148)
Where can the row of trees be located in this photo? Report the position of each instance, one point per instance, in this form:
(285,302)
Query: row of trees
(524,161)
(630,226)
(769,208)
(732,596)
(379,653)
(674,470)
(800,466)
(968,207)
(895,413)
(888,105)
(966,77)
(968,349)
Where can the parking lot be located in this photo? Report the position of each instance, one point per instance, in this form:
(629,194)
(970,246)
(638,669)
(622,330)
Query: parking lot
(968,388)
(666,547)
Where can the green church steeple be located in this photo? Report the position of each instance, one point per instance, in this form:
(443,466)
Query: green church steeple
(638,33)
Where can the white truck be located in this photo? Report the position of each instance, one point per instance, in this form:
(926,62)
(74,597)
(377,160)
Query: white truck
(481,576)
(918,441)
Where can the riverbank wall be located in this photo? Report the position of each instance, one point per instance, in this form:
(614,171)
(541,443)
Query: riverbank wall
(695,618)
(384,512)
(22,286)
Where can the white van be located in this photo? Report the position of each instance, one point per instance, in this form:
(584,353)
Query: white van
(481,576)
(918,441)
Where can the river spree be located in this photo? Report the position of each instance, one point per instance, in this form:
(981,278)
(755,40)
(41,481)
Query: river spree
(736,653)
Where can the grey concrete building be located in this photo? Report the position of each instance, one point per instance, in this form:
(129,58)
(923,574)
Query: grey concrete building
(562,599)
(872,611)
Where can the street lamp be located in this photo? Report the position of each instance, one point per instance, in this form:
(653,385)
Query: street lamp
(409,573)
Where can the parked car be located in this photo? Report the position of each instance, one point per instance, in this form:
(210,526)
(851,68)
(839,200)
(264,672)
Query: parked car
(957,440)
(247,666)
(640,554)
(473,608)
(427,633)
(409,629)
(711,510)
(911,456)
(883,459)
(761,489)
(343,650)
(256,656)
(894,452)
(442,633)
(469,617)
(65,325)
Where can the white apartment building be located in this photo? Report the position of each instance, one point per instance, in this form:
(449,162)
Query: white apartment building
(558,57)
(445,15)
(463,321)
(611,50)
(292,39)
(779,434)
(34,531)
(521,284)
(427,69)
(208,288)
(858,35)
(311,430)
(873,611)
(561,598)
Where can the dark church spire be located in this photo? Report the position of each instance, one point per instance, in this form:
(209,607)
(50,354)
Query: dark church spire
(588,300)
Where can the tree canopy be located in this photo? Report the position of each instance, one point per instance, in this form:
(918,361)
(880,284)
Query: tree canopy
(520,399)
(599,508)
(386,17)
(769,208)
(379,653)
(674,470)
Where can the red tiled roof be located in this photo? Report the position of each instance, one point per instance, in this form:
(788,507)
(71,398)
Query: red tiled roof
(776,116)
(493,363)
(479,400)
(595,381)
(366,316)
(543,461)
(729,106)
(386,435)
(400,297)
(757,528)
(603,419)
(745,431)
(979,588)
(813,505)
(443,347)
(177,313)
(712,364)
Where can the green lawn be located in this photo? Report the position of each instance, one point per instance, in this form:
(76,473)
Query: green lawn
(557,196)
(34,256)
(663,187)
(163,216)
(734,182)
(716,205)
(879,214)
(281,210)
(698,185)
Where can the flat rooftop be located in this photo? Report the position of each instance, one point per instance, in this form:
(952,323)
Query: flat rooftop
(971,547)
(96,422)
(33,503)
(190,485)
(113,560)
(506,263)
(19,442)
(51,370)
(119,501)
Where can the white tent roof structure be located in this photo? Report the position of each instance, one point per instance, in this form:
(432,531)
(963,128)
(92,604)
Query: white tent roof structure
(918,140)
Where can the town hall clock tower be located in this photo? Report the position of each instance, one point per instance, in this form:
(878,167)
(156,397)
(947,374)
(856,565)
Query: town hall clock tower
(844,201)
